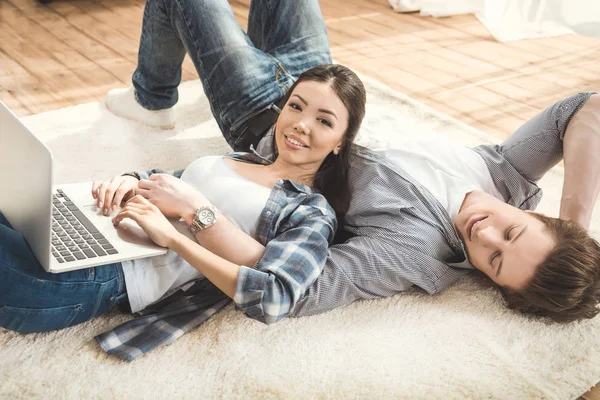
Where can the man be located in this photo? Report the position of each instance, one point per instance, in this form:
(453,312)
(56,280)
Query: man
(417,217)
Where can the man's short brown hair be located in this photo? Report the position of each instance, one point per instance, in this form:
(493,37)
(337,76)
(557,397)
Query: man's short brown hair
(566,285)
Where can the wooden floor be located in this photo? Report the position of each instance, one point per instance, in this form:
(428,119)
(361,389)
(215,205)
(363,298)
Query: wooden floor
(74,51)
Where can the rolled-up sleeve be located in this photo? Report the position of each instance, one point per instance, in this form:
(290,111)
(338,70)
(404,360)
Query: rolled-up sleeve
(290,263)
(146,174)
(537,145)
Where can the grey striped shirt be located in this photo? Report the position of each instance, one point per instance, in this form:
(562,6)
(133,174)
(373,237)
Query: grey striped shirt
(403,237)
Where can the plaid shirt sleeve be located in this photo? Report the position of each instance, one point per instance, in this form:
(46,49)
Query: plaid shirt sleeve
(290,263)
(146,174)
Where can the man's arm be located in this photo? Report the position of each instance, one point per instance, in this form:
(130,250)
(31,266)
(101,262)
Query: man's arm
(582,163)
(521,160)
(537,145)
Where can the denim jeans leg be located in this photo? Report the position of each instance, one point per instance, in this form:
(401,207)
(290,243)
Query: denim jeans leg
(293,32)
(160,56)
(33,300)
(238,79)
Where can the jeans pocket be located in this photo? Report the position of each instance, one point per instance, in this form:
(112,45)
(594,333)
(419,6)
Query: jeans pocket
(27,320)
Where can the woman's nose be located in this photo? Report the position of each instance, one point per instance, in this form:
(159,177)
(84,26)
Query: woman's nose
(301,127)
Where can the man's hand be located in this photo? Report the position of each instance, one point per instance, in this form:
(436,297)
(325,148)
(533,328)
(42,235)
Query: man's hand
(113,191)
(172,196)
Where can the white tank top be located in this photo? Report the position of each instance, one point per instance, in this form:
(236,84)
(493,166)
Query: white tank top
(237,198)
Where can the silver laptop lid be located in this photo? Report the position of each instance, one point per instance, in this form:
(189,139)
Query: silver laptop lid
(26,176)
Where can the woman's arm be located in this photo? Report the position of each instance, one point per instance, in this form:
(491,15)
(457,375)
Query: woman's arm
(218,270)
(227,240)
(582,163)
(289,264)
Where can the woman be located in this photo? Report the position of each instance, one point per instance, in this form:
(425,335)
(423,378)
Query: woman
(275,203)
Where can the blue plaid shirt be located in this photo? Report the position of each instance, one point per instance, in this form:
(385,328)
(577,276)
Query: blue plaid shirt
(296,227)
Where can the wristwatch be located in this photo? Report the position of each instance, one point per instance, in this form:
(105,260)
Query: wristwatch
(204,218)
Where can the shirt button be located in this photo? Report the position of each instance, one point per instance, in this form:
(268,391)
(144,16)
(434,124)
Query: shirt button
(268,213)
(280,181)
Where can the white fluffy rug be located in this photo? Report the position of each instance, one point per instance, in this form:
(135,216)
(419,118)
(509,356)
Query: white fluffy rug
(460,344)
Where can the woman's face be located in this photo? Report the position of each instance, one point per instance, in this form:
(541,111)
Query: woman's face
(311,125)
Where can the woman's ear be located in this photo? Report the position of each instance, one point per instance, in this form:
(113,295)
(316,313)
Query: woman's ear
(337,148)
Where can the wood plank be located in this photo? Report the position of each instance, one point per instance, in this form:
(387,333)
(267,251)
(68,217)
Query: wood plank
(118,22)
(16,106)
(56,53)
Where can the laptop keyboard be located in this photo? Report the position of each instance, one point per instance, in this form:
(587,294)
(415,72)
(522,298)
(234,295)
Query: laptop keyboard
(74,237)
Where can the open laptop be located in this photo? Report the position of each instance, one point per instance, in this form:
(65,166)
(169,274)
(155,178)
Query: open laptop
(61,224)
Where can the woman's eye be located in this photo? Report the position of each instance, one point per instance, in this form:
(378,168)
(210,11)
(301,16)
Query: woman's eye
(324,122)
(295,106)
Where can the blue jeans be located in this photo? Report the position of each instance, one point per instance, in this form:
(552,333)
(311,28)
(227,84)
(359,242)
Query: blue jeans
(242,73)
(33,300)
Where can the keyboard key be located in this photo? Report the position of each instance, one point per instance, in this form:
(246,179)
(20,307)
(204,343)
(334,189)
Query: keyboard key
(97,235)
(112,251)
(65,253)
(88,252)
(85,221)
(60,248)
(98,250)
(79,255)
(60,260)
(107,246)
(102,241)
(90,241)
(70,258)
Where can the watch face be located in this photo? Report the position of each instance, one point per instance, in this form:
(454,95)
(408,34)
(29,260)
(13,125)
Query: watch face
(206,217)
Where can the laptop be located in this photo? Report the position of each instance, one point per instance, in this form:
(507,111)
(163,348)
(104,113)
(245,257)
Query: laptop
(61,224)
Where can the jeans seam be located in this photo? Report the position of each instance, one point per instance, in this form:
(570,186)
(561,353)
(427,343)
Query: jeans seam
(268,41)
(188,27)
(99,297)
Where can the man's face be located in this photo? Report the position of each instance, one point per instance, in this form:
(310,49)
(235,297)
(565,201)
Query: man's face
(505,243)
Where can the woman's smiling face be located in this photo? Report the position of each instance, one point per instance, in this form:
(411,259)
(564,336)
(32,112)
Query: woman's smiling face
(311,125)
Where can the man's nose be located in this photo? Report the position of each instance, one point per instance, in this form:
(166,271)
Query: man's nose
(489,237)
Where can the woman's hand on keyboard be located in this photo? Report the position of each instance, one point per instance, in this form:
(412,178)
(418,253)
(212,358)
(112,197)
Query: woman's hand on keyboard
(111,193)
(172,196)
(150,219)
